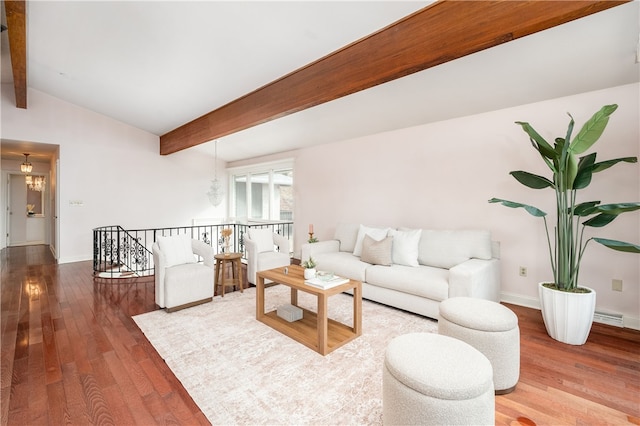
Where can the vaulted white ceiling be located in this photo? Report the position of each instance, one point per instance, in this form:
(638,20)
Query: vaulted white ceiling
(158,65)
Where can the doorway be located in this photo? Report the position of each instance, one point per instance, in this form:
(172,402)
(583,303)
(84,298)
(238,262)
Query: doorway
(27,211)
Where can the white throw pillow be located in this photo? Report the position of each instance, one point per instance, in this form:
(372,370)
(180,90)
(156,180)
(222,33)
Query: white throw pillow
(375,233)
(347,234)
(177,249)
(263,237)
(405,246)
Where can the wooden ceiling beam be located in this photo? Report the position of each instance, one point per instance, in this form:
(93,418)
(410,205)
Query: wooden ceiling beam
(441,32)
(16,13)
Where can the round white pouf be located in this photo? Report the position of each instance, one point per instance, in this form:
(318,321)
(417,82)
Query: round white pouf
(430,379)
(489,327)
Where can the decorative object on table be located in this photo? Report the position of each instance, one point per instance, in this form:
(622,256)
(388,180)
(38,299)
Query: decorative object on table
(325,275)
(311,239)
(226,236)
(216,191)
(570,321)
(289,312)
(30,208)
(309,266)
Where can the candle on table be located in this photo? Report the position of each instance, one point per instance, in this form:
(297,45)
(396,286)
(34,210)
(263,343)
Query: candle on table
(311,229)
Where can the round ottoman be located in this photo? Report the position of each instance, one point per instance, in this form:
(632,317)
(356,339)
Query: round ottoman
(436,380)
(489,327)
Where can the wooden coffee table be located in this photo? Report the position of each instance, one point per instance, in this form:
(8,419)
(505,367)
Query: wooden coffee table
(315,330)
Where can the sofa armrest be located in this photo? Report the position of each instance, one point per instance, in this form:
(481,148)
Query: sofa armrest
(251,248)
(313,249)
(282,242)
(476,278)
(159,263)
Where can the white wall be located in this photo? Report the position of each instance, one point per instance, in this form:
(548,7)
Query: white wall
(114,169)
(441,175)
(438,175)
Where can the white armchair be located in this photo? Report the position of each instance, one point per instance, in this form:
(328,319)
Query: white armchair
(260,244)
(180,281)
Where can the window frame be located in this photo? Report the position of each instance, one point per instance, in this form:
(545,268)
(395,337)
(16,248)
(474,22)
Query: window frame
(268,168)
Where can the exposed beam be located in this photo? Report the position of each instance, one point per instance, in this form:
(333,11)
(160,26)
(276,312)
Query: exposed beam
(16,12)
(441,32)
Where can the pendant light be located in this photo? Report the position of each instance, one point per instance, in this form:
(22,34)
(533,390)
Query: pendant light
(216,192)
(26,167)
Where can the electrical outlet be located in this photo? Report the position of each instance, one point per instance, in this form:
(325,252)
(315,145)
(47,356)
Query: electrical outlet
(616,285)
(523,271)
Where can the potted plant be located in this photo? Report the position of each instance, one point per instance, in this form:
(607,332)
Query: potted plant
(570,174)
(309,268)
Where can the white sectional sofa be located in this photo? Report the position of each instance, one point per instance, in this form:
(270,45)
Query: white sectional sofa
(413,270)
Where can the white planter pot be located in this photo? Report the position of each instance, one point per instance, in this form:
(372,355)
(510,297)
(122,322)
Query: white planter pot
(309,273)
(567,316)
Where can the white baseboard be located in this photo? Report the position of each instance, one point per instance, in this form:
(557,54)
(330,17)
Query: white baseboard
(74,259)
(517,299)
(27,243)
(534,303)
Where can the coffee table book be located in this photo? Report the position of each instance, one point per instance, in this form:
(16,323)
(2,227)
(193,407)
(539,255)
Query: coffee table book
(326,284)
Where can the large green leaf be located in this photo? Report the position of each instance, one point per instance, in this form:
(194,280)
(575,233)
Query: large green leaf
(601,220)
(592,130)
(585,209)
(571,171)
(531,180)
(534,211)
(540,144)
(585,171)
(604,165)
(608,212)
(618,245)
(564,162)
(618,208)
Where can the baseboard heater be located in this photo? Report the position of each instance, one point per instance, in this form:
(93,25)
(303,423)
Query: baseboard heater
(610,319)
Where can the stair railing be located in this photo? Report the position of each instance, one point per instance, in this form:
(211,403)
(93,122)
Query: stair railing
(118,252)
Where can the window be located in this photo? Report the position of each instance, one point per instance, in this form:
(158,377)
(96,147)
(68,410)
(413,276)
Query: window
(263,192)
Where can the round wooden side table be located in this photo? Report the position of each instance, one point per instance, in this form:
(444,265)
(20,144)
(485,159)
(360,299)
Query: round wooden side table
(235,261)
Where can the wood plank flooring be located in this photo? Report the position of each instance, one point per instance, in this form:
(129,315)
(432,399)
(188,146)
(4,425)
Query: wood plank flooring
(71,354)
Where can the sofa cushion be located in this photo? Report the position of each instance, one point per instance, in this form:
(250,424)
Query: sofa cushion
(176,249)
(424,281)
(445,249)
(375,233)
(341,263)
(263,237)
(377,252)
(405,246)
(347,233)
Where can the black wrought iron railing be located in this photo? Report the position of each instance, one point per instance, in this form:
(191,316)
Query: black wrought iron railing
(117,251)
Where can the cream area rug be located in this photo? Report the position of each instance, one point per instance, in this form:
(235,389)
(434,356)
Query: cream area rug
(240,371)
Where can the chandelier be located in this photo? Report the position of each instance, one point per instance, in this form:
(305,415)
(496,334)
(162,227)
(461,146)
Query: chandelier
(35,183)
(26,167)
(216,191)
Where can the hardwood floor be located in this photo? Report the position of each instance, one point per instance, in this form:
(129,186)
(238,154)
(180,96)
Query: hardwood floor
(71,354)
